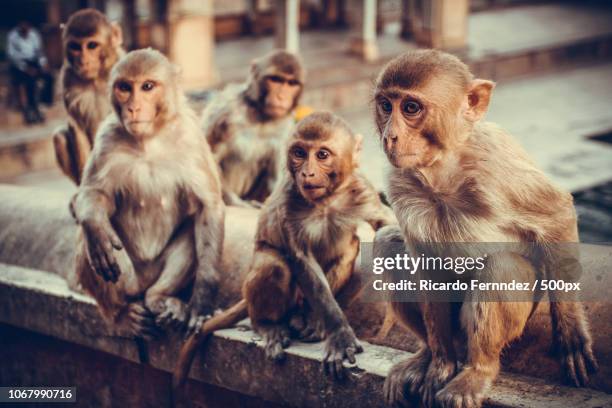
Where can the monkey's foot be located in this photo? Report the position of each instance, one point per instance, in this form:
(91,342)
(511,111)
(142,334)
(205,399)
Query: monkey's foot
(172,313)
(577,356)
(466,390)
(138,321)
(438,374)
(277,340)
(341,344)
(307,327)
(405,379)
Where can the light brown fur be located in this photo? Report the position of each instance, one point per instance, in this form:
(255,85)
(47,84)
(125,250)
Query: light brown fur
(246,135)
(150,204)
(306,245)
(85,98)
(456,179)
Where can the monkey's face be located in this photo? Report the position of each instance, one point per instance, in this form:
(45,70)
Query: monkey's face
(315,168)
(138,102)
(280,95)
(86,55)
(401,118)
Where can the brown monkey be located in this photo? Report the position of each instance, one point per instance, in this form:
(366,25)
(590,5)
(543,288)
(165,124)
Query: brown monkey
(150,203)
(248,124)
(456,179)
(92,45)
(306,246)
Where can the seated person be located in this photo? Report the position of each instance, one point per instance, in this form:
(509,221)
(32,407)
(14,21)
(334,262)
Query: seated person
(27,65)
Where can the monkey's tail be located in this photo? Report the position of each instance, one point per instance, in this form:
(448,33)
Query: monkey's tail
(219,321)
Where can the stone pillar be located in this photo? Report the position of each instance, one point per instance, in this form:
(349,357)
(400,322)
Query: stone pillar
(440,23)
(191,42)
(52,34)
(363,29)
(287,25)
(407,12)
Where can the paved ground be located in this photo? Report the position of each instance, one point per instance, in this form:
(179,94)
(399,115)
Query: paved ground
(493,31)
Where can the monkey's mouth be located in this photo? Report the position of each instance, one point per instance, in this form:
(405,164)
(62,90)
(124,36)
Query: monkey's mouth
(312,187)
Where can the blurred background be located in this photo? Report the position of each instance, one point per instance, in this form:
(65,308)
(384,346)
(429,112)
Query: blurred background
(552,61)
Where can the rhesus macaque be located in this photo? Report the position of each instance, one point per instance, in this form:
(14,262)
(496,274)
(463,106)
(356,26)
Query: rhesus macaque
(457,179)
(247,126)
(150,204)
(305,247)
(92,45)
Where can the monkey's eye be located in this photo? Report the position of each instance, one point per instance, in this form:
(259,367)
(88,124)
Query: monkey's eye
(322,154)
(92,45)
(147,86)
(412,107)
(386,106)
(124,87)
(74,46)
(277,79)
(294,82)
(299,153)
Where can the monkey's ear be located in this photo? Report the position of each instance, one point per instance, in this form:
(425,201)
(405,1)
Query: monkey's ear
(357,149)
(116,34)
(478,98)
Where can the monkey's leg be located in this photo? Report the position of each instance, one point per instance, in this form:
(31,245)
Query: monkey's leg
(405,378)
(489,326)
(338,274)
(270,295)
(125,318)
(177,263)
(71,151)
(570,330)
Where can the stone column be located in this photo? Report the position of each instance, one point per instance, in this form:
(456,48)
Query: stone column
(408,11)
(190,42)
(441,23)
(287,25)
(363,29)
(52,34)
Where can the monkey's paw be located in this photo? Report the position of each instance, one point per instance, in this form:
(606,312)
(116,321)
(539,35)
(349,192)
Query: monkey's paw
(277,340)
(438,374)
(405,378)
(140,322)
(340,344)
(466,390)
(173,314)
(577,356)
(307,327)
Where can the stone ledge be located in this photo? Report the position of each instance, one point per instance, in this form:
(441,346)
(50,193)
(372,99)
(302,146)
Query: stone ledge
(234,358)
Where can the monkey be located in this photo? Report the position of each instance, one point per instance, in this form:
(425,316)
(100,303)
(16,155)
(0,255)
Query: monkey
(92,45)
(455,178)
(246,126)
(305,247)
(150,208)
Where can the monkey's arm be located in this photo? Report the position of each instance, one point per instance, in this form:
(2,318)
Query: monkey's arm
(209,233)
(372,209)
(92,207)
(231,198)
(341,341)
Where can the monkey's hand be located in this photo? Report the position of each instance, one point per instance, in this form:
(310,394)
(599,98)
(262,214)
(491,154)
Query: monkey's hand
(102,240)
(576,351)
(340,344)
(202,300)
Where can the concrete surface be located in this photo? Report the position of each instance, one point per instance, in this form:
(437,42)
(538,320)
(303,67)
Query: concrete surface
(234,358)
(37,233)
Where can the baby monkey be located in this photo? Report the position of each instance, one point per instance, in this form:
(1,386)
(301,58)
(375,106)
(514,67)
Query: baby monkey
(305,247)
